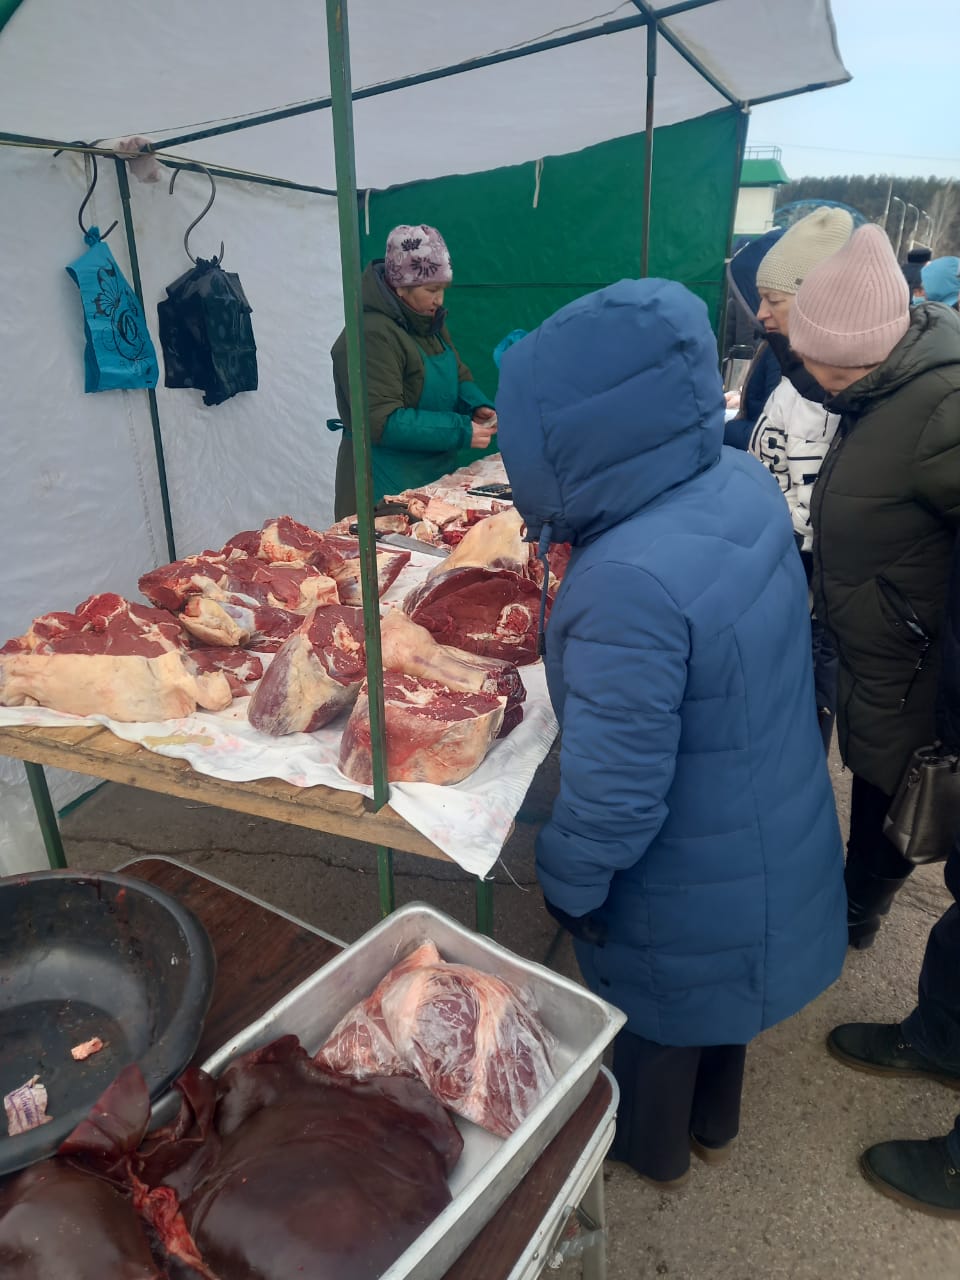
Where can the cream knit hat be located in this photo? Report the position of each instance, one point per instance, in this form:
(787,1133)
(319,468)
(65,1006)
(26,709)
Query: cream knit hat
(802,247)
(853,309)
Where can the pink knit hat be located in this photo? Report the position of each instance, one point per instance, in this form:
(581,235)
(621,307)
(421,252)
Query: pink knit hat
(852,309)
(417,255)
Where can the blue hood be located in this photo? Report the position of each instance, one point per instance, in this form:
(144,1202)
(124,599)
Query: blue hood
(742,270)
(611,402)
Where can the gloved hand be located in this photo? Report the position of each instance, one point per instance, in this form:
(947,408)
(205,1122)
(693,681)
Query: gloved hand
(590,928)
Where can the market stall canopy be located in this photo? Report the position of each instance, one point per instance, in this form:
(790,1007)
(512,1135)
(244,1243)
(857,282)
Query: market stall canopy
(452,87)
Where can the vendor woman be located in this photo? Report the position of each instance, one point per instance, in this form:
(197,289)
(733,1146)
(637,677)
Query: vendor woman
(424,403)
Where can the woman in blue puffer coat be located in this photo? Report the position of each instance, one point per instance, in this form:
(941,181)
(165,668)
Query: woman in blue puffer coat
(694,850)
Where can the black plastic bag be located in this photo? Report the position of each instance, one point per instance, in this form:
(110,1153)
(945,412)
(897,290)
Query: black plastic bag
(206,333)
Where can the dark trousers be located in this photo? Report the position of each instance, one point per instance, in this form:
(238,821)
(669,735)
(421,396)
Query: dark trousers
(826,673)
(667,1094)
(934,1026)
(868,848)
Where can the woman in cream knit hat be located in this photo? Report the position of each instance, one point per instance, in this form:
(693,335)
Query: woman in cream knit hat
(886,509)
(794,430)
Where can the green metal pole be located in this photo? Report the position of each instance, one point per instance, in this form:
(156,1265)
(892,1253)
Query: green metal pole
(338,45)
(385,876)
(123,182)
(46,815)
(648,148)
(485,907)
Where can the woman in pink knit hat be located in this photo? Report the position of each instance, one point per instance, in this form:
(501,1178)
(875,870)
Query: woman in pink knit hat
(885,510)
(424,404)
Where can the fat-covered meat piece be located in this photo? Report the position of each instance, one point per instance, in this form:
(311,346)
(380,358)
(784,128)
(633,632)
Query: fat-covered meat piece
(315,675)
(494,543)
(297,587)
(433,734)
(226,620)
(240,667)
(410,648)
(110,657)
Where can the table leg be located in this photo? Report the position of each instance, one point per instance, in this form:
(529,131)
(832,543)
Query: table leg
(595,1253)
(385,874)
(46,814)
(485,907)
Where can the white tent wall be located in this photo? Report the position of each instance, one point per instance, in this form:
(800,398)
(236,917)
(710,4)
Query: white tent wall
(79,486)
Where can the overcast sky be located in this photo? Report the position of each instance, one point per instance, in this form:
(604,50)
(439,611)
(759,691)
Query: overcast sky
(901,112)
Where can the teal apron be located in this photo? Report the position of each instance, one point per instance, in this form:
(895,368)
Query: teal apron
(397,469)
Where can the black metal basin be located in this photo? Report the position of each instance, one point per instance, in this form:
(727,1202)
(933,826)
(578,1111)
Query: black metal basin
(93,955)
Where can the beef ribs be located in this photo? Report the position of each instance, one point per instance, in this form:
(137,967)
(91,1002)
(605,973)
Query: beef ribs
(474,1039)
(491,612)
(433,734)
(315,675)
(410,648)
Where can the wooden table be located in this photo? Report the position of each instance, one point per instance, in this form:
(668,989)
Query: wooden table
(262,953)
(93,750)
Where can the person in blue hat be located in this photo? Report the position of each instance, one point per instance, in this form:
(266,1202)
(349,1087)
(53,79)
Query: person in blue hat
(941,281)
(693,851)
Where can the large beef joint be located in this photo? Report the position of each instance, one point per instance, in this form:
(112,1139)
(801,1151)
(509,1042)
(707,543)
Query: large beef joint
(433,734)
(492,612)
(494,543)
(315,676)
(474,1040)
(279,1169)
(110,657)
(411,649)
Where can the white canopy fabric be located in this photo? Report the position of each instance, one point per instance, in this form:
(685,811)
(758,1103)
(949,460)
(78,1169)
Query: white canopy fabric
(163,70)
(79,485)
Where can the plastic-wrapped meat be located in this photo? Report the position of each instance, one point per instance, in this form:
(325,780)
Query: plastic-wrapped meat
(315,675)
(492,612)
(410,648)
(474,1040)
(433,734)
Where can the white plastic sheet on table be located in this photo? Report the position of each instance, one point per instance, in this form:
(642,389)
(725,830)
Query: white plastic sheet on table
(468,821)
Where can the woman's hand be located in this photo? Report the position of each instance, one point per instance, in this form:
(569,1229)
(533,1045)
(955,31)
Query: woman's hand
(484,423)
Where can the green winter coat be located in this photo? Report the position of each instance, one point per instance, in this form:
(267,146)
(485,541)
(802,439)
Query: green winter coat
(885,509)
(412,445)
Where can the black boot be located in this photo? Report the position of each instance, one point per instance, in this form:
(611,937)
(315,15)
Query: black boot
(869,898)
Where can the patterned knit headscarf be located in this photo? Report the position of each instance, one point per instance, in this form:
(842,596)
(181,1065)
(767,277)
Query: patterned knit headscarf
(417,255)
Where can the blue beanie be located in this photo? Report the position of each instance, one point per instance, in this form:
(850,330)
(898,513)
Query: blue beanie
(941,280)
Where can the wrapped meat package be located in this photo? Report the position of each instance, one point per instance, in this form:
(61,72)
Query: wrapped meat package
(472,1038)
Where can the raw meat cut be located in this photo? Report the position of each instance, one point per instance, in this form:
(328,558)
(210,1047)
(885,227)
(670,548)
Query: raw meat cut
(360,1044)
(296,587)
(126,688)
(110,657)
(433,734)
(494,543)
(240,666)
(492,612)
(474,1039)
(279,1169)
(340,558)
(316,674)
(226,620)
(410,648)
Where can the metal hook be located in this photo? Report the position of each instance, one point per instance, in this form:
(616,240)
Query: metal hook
(90,190)
(203,213)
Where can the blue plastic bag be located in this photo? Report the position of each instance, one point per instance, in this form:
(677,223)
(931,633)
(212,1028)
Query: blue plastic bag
(119,351)
(513,336)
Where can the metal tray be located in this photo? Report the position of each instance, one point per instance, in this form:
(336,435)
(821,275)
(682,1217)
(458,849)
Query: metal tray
(490,1167)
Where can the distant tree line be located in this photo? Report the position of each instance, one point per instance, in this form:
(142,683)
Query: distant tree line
(877,194)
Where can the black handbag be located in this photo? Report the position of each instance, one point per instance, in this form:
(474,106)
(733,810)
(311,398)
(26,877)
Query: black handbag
(924,818)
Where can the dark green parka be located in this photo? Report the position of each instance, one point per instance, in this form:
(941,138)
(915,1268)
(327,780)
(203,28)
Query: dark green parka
(422,444)
(885,510)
